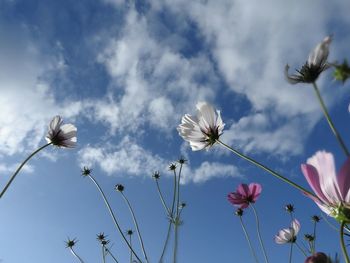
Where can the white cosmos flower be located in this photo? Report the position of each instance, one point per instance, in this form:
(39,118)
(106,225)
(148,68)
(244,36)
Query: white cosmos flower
(288,235)
(203,130)
(61,135)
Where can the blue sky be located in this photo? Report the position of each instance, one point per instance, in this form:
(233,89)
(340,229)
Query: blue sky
(124,74)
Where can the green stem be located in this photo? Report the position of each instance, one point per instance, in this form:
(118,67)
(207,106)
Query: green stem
(290,252)
(314,241)
(136,226)
(175,239)
(113,216)
(103,254)
(259,234)
(277,175)
(329,120)
(301,249)
(110,253)
(248,240)
(346,256)
(76,255)
(174,196)
(21,166)
(166,241)
(130,249)
(162,199)
(178,191)
(329,223)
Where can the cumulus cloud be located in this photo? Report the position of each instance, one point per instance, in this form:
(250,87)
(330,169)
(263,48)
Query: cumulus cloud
(208,171)
(130,159)
(251,42)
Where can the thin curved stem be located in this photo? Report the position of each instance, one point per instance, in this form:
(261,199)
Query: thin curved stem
(290,252)
(136,226)
(259,234)
(330,122)
(277,175)
(110,253)
(167,210)
(166,241)
(248,240)
(114,258)
(75,255)
(113,216)
(342,244)
(21,166)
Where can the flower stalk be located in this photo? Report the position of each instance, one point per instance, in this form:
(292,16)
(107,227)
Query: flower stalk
(277,175)
(20,167)
(248,240)
(112,215)
(136,225)
(329,120)
(342,244)
(259,234)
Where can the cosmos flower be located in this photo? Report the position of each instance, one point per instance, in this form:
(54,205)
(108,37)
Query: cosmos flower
(332,191)
(245,195)
(288,235)
(61,135)
(203,130)
(314,66)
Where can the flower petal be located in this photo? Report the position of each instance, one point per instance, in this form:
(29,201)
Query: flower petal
(324,164)
(344,180)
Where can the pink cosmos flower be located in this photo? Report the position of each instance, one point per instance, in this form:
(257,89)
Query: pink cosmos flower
(332,191)
(318,257)
(245,195)
(288,235)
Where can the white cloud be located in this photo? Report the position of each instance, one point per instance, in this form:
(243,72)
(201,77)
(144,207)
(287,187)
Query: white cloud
(152,81)
(207,171)
(8,170)
(130,159)
(251,42)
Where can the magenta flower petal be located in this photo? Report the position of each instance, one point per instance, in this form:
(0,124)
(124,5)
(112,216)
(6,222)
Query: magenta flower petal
(344,180)
(245,195)
(312,178)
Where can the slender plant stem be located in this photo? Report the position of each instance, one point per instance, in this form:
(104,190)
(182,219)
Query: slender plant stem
(166,241)
(21,166)
(110,253)
(248,240)
(136,226)
(329,223)
(103,254)
(266,169)
(113,216)
(76,255)
(259,234)
(314,241)
(175,238)
(291,252)
(329,120)
(130,249)
(346,256)
(174,196)
(162,199)
(178,192)
(301,249)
